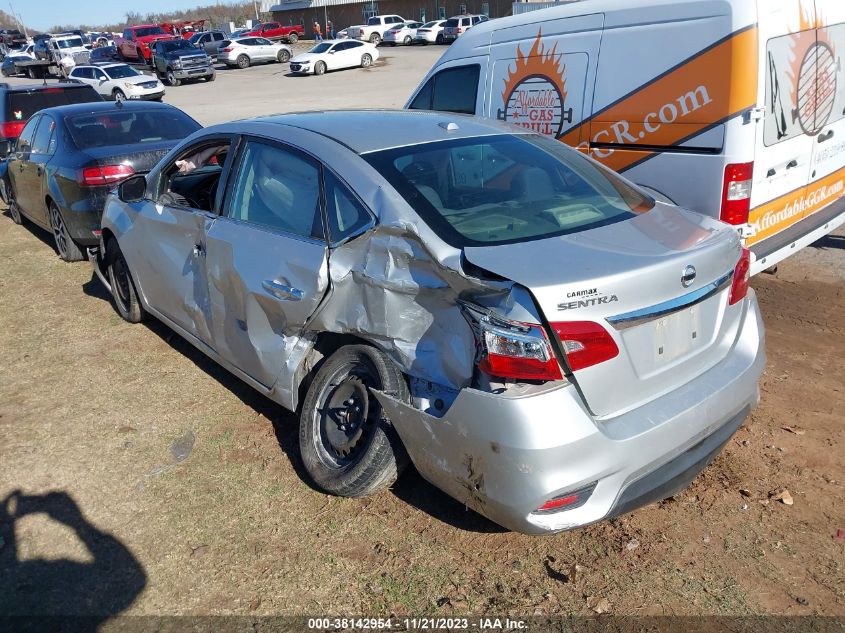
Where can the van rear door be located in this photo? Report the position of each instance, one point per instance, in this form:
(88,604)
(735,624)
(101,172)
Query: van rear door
(783,148)
(829,141)
(543,73)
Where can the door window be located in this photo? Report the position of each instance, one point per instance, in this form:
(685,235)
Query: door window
(218,37)
(192,179)
(345,214)
(25,139)
(278,189)
(42,142)
(99,74)
(451,90)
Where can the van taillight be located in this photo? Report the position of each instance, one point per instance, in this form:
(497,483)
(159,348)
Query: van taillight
(742,274)
(518,351)
(736,193)
(585,343)
(104,175)
(11,129)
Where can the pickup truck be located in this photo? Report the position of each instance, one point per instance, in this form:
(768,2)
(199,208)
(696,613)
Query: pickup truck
(275,31)
(135,45)
(373,31)
(179,60)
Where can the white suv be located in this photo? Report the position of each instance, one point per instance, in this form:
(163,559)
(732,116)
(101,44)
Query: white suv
(119,82)
(460,24)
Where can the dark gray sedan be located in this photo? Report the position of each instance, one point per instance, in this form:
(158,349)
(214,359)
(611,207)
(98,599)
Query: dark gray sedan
(67,158)
(546,342)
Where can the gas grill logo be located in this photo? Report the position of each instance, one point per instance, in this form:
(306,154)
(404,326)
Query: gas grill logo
(535,91)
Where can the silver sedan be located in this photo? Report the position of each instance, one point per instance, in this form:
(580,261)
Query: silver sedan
(546,342)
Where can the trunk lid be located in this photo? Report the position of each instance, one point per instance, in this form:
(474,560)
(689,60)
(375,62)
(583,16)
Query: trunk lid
(627,277)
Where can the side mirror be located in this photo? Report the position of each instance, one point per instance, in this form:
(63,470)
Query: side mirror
(132,189)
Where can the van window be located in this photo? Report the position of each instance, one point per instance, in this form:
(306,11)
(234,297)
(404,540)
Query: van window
(451,90)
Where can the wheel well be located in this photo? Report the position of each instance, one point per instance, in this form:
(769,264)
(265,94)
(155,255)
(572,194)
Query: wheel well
(327,343)
(48,200)
(107,235)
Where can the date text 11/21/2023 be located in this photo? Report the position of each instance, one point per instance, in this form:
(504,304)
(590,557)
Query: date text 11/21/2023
(417,624)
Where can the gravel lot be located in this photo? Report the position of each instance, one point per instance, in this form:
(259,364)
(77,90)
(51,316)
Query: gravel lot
(138,477)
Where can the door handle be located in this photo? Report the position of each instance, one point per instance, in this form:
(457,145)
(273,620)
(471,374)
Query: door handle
(791,164)
(281,291)
(39,170)
(821,138)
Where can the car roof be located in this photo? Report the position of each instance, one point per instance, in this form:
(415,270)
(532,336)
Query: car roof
(94,107)
(365,131)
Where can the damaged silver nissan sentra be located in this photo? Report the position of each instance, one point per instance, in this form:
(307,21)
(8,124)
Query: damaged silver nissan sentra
(546,342)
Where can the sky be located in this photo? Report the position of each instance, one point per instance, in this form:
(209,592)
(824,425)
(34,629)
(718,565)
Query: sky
(42,14)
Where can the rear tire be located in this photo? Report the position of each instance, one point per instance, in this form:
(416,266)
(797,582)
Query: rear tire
(243,61)
(375,39)
(293,38)
(438,39)
(319,68)
(283,56)
(348,446)
(366,60)
(407,40)
(14,209)
(65,246)
(122,287)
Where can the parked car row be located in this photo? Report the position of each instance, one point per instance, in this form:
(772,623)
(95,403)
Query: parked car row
(394,29)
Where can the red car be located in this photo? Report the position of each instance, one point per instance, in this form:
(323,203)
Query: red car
(275,31)
(136,43)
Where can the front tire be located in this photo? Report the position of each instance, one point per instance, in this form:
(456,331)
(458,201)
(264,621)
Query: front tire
(118,95)
(366,60)
(283,56)
(65,246)
(243,61)
(348,446)
(122,287)
(171,78)
(319,68)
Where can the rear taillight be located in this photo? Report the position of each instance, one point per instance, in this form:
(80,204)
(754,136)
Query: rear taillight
(11,129)
(742,274)
(518,351)
(104,175)
(459,30)
(736,193)
(228,49)
(585,343)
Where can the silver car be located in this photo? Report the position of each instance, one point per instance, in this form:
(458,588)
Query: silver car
(546,342)
(246,51)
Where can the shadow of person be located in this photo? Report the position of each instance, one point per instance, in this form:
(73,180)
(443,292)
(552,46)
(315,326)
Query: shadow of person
(34,592)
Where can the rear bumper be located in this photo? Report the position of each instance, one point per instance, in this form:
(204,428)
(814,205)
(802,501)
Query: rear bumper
(504,455)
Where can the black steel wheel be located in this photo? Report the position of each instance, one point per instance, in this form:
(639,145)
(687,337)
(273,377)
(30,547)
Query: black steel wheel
(65,246)
(122,287)
(348,445)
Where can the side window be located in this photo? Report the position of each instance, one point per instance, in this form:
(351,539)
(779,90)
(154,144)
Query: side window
(41,142)
(345,214)
(127,34)
(25,139)
(99,74)
(218,37)
(451,90)
(191,180)
(279,189)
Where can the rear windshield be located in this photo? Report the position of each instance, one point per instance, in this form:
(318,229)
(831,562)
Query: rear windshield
(451,23)
(506,188)
(126,128)
(22,105)
(149,30)
(373,21)
(173,45)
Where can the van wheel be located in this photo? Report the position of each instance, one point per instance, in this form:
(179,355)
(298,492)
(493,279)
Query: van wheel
(375,38)
(319,68)
(122,287)
(65,246)
(243,61)
(348,446)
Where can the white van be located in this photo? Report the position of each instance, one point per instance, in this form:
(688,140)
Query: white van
(734,108)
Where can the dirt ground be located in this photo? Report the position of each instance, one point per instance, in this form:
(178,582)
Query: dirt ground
(176,489)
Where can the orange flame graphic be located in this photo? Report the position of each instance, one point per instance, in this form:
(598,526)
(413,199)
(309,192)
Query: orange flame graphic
(537,63)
